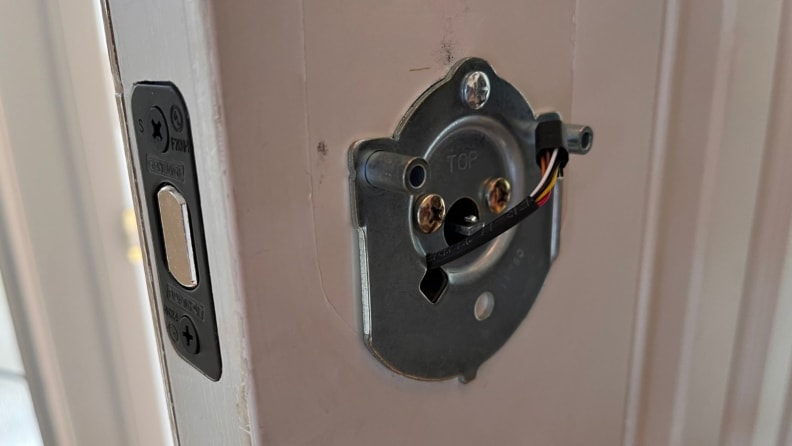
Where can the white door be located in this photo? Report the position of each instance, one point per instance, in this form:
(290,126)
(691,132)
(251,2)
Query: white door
(633,335)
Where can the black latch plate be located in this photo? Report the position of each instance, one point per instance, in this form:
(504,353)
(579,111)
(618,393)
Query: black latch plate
(166,155)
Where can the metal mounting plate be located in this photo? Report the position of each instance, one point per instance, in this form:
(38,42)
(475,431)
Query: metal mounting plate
(464,146)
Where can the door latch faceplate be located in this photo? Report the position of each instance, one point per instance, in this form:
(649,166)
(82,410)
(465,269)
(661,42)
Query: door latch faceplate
(463,153)
(173,203)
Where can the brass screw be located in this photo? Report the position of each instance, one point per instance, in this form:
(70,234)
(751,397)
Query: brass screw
(497,192)
(431,213)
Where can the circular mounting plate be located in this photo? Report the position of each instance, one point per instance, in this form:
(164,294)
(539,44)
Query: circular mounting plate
(434,339)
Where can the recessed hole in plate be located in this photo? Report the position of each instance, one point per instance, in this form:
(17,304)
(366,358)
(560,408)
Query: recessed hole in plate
(464,207)
(434,282)
(485,303)
(417,176)
(585,140)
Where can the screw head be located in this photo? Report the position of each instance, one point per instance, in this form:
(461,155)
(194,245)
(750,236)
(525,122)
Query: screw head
(189,335)
(431,212)
(475,89)
(155,128)
(497,193)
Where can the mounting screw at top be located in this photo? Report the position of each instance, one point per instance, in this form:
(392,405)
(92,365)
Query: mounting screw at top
(154,127)
(475,89)
(497,193)
(431,213)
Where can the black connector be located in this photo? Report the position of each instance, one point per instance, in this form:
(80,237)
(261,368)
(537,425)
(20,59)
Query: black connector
(549,135)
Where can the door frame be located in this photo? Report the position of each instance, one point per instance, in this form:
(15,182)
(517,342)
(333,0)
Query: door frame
(707,293)
(178,46)
(82,324)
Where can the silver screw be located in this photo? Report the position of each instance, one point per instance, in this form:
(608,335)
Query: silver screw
(431,213)
(471,219)
(476,89)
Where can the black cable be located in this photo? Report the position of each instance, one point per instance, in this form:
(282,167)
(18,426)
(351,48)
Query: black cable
(491,230)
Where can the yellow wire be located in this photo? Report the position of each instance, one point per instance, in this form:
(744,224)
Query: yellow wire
(548,188)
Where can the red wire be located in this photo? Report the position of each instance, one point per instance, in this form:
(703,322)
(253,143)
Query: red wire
(544,166)
(544,200)
(545,162)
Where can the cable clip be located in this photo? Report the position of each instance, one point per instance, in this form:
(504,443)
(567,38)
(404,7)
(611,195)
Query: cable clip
(550,135)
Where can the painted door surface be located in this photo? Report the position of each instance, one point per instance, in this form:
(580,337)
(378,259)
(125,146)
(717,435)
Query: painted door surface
(350,73)
(277,92)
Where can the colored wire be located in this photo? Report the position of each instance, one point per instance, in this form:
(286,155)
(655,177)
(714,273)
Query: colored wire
(546,191)
(546,174)
(544,200)
(504,222)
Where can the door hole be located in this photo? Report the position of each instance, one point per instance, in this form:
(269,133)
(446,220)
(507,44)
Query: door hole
(417,176)
(458,216)
(434,282)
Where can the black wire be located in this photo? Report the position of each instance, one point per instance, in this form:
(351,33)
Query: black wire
(491,230)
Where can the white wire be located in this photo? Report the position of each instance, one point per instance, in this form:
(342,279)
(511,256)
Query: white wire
(546,174)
